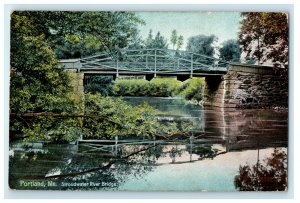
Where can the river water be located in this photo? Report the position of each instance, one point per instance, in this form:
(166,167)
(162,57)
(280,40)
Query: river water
(223,141)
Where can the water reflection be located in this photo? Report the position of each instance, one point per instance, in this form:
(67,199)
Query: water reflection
(206,159)
(269,175)
(66,166)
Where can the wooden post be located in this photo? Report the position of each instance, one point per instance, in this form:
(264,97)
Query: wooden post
(116,144)
(155,63)
(191,66)
(191,146)
(78,68)
(117,67)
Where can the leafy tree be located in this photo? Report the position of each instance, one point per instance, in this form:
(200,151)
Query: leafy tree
(38,85)
(42,102)
(158,42)
(230,51)
(174,38)
(264,35)
(107,117)
(179,42)
(149,39)
(202,45)
(270,176)
(84,32)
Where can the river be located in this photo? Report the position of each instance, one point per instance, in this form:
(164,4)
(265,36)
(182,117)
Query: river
(209,161)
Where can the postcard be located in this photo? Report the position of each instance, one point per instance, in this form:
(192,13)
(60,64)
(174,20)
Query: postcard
(148,101)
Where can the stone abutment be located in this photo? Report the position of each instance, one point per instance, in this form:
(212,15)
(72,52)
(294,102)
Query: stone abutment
(247,86)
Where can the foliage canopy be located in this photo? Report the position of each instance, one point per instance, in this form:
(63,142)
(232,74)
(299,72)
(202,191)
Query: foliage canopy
(264,35)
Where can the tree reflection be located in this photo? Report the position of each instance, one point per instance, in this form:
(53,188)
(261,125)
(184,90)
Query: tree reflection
(205,151)
(271,175)
(110,171)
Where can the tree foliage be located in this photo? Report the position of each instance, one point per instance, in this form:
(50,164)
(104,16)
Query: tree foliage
(264,35)
(107,117)
(201,44)
(176,40)
(179,42)
(98,84)
(158,42)
(38,84)
(81,33)
(191,89)
(230,51)
(157,87)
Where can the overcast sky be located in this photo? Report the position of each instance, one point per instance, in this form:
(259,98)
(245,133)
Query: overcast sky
(224,25)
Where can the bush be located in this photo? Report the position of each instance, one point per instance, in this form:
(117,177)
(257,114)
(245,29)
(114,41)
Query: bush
(157,87)
(100,84)
(192,89)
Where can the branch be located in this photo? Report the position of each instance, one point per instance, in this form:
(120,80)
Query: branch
(107,166)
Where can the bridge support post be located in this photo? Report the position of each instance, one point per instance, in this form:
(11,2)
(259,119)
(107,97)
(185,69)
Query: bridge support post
(117,68)
(191,75)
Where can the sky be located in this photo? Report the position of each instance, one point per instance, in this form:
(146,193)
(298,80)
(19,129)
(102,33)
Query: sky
(224,25)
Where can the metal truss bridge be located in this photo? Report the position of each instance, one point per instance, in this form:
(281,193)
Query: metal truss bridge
(149,61)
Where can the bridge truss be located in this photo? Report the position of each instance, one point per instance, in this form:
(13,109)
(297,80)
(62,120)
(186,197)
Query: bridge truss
(154,61)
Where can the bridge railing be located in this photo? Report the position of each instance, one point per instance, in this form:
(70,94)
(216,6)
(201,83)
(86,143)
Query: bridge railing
(154,61)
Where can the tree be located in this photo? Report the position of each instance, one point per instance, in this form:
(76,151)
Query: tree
(85,32)
(201,44)
(174,38)
(230,51)
(38,85)
(179,42)
(107,117)
(158,42)
(264,35)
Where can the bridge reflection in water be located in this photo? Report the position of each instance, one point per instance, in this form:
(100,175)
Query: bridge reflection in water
(210,160)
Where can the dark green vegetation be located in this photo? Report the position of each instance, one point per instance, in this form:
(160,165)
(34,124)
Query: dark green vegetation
(230,51)
(107,117)
(38,84)
(202,44)
(271,175)
(99,84)
(157,87)
(191,89)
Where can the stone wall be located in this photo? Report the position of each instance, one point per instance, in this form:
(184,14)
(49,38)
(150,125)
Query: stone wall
(248,86)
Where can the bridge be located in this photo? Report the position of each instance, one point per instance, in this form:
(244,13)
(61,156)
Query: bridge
(149,62)
(227,84)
